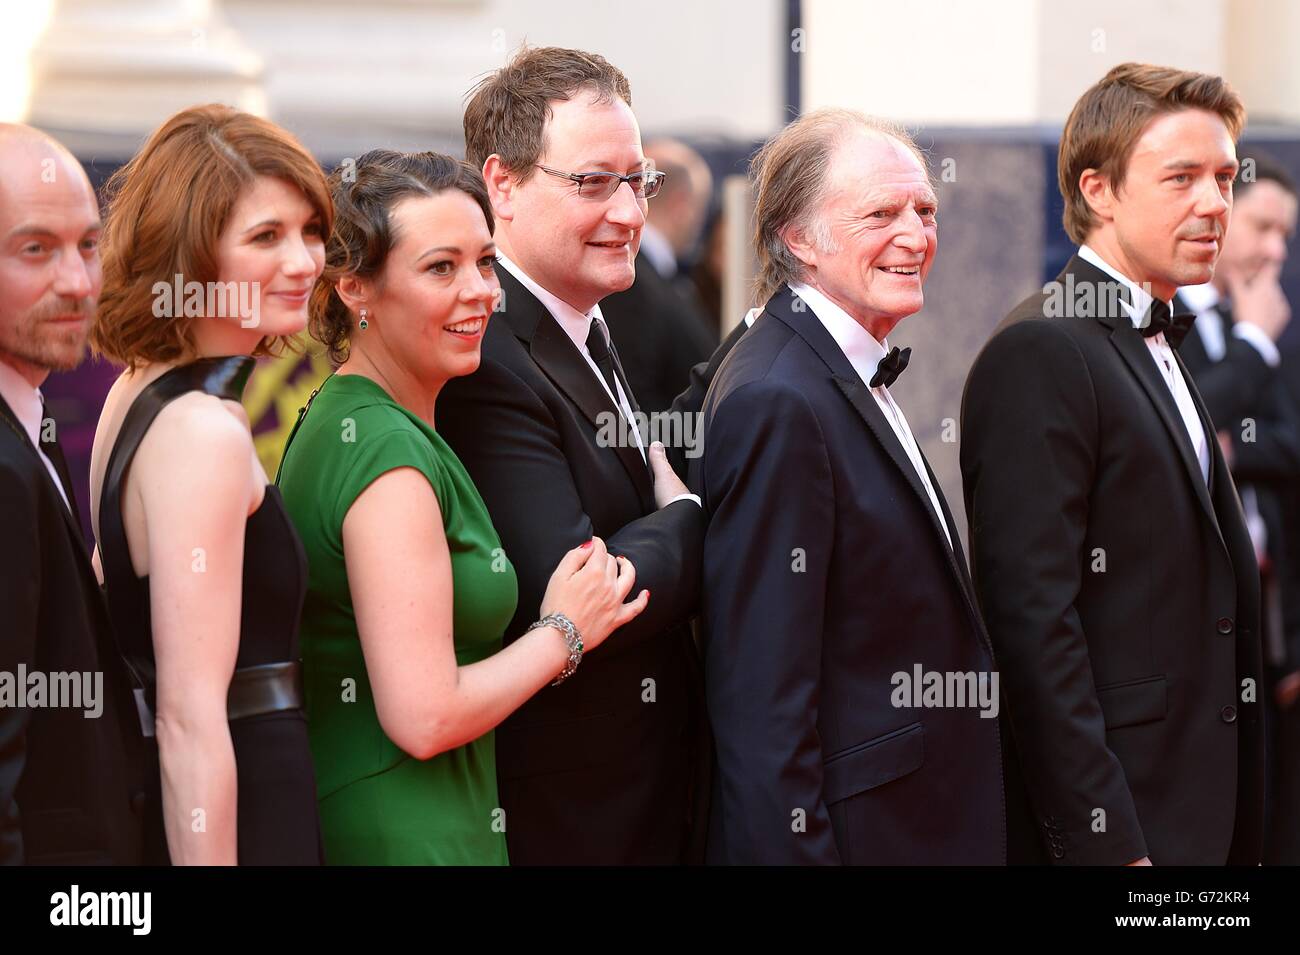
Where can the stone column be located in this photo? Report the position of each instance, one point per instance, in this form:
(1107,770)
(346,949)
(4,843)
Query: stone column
(123,66)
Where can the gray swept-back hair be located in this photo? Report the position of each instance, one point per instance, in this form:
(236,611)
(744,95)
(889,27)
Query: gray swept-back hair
(790,176)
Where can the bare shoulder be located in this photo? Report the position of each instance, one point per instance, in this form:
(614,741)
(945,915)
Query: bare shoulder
(203,424)
(196,445)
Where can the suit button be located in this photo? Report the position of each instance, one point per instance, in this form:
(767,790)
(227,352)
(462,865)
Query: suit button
(1225,625)
(1229,714)
(137,802)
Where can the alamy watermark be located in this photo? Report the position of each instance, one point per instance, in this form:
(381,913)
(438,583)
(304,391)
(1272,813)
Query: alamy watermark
(35,689)
(673,429)
(75,907)
(1086,299)
(178,298)
(950,689)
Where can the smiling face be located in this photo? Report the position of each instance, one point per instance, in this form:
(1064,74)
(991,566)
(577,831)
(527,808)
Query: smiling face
(879,215)
(273,238)
(578,249)
(437,290)
(1165,224)
(49,258)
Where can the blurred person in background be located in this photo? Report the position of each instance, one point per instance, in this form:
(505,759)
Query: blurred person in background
(1231,351)
(659,325)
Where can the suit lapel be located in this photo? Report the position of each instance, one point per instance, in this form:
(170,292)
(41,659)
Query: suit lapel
(561,362)
(806,324)
(1138,357)
(1193,346)
(1132,348)
(72,520)
(65,478)
(959,559)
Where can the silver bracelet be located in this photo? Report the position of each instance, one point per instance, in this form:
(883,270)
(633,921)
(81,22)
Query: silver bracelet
(572,639)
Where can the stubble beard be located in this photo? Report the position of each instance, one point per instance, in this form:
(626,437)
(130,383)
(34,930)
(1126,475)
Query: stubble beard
(37,340)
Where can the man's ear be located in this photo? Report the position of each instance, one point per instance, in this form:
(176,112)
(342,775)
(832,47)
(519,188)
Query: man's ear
(1096,190)
(796,239)
(355,293)
(501,185)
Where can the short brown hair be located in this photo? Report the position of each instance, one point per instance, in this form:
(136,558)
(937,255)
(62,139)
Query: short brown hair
(790,175)
(1109,118)
(508,109)
(167,208)
(365,195)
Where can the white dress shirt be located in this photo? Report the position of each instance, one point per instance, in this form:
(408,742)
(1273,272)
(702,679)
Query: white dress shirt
(577,326)
(28,405)
(1204,301)
(865,354)
(1163,355)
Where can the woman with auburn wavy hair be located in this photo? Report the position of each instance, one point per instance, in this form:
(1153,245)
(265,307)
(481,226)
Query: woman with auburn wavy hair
(213,239)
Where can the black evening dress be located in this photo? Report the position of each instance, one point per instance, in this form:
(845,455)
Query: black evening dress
(277,816)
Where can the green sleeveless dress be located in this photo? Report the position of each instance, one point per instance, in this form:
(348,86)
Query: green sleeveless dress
(378,804)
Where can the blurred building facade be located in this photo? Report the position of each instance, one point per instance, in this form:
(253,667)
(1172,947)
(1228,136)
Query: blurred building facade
(985,86)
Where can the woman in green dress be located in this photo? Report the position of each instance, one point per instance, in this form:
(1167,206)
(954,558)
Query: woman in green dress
(409,589)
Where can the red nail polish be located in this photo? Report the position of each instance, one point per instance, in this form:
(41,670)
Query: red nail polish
(588,544)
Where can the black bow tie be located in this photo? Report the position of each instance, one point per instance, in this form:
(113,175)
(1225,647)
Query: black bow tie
(890,367)
(1160,319)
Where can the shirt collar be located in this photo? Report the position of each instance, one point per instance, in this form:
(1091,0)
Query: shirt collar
(575,324)
(859,345)
(26,401)
(1201,298)
(1140,298)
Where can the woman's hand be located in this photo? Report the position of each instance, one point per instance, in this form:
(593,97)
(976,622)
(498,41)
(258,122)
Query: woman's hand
(589,587)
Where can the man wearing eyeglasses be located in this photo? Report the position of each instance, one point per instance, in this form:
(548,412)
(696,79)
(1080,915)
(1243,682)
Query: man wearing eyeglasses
(600,769)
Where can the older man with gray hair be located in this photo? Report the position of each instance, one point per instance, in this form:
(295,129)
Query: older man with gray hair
(850,680)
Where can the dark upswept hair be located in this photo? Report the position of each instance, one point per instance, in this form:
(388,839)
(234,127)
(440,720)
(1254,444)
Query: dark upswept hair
(166,210)
(1110,117)
(508,109)
(365,193)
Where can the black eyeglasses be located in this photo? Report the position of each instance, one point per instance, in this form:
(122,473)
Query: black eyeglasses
(599,186)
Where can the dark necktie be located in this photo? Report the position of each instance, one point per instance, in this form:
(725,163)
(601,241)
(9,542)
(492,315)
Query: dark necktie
(54,452)
(890,367)
(1160,319)
(598,348)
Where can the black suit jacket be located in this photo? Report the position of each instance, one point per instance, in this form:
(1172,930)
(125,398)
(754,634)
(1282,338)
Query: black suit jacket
(1120,591)
(659,334)
(1231,386)
(1239,389)
(71,787)
(691,402)
(1266,455)
(600,768)
(826,573)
